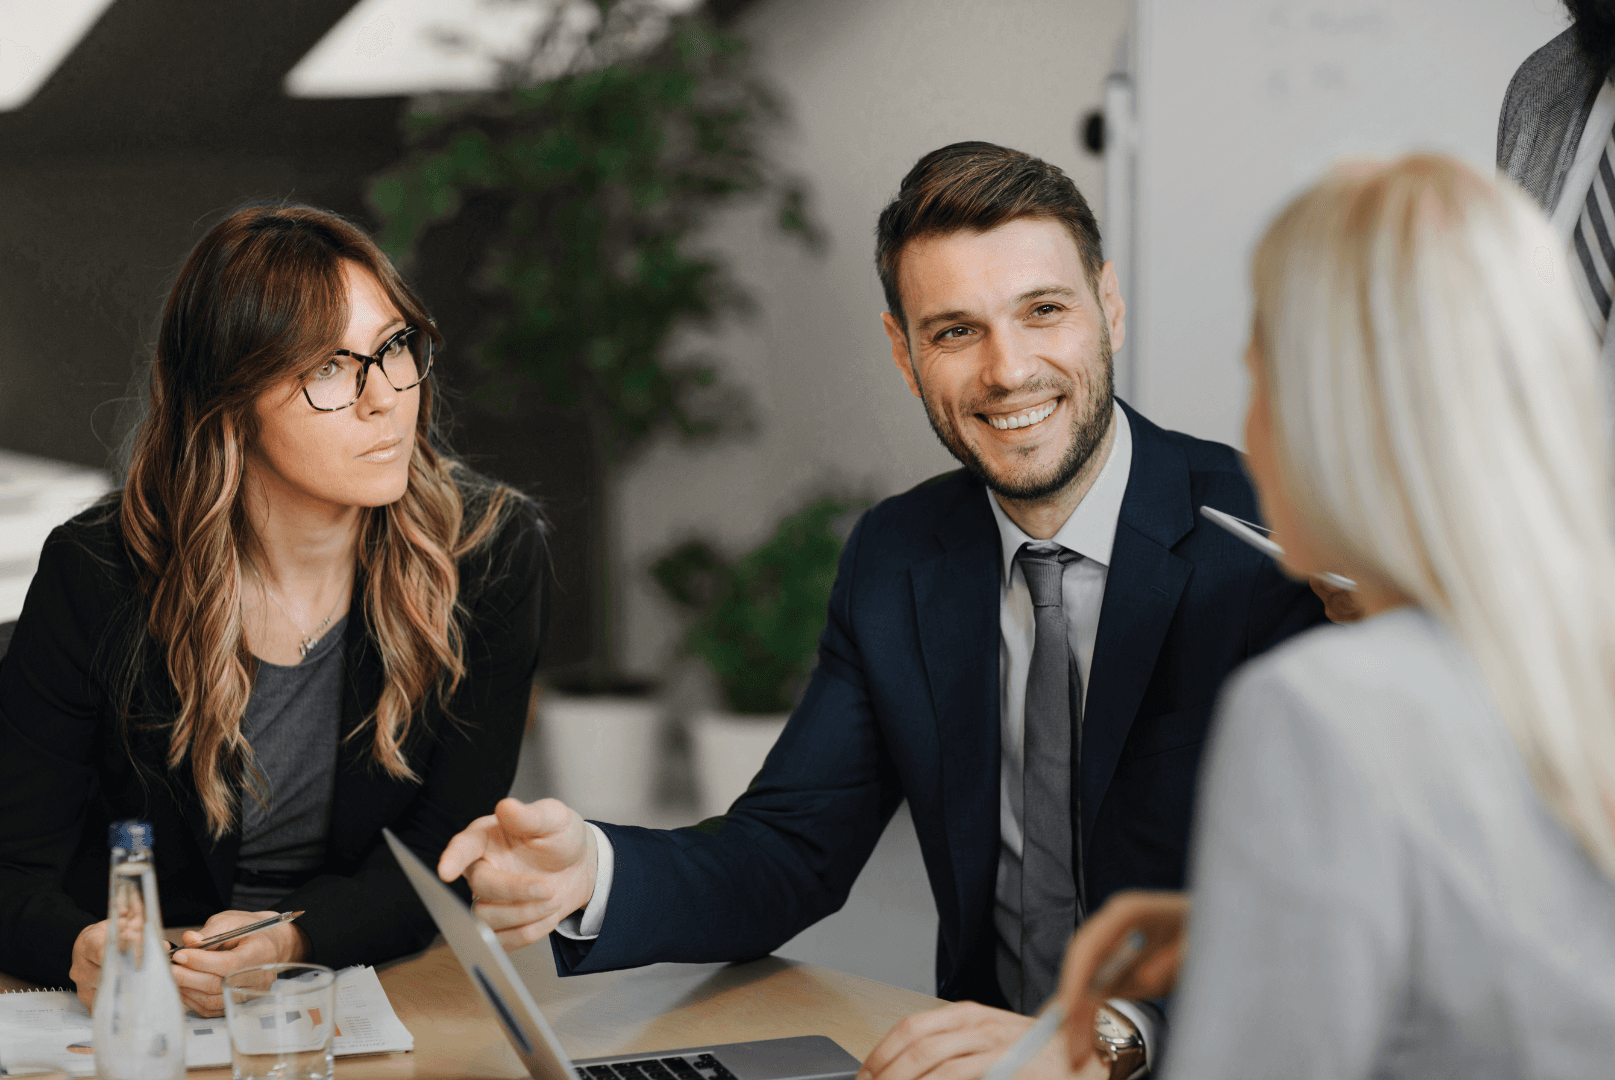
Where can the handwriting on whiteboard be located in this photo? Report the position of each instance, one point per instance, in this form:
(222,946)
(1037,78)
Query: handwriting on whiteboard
(1315,50)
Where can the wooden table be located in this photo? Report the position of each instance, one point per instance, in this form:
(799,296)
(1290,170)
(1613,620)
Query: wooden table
(661,1007)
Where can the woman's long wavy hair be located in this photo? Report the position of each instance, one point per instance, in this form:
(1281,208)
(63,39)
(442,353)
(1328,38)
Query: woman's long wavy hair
(260,302)
(1438,415)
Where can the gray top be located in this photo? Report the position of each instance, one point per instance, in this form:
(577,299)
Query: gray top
(293,717)
(1544,110)
(1379,889)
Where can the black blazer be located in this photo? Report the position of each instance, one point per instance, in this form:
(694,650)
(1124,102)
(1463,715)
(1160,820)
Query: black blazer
(69,765)
(904,704)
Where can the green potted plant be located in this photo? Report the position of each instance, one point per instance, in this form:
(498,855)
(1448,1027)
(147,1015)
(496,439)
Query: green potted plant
(601,154)
(755,623)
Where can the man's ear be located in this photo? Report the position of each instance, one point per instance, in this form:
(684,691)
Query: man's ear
(1115,308)
(900,356)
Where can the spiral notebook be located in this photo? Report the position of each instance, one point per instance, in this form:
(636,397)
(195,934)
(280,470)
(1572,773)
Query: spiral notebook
(51,1028)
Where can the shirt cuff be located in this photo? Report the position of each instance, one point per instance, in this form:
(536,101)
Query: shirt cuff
(1149,1024)
(585,925)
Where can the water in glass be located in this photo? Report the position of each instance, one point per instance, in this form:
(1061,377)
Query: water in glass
(282,1021)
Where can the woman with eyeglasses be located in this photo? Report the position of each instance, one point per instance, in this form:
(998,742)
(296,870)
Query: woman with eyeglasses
(298,622)
(1404,855)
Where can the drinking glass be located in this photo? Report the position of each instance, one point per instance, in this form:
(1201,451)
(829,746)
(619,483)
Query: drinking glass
(282,1018)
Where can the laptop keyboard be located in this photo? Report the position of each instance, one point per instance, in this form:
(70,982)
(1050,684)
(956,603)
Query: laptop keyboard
(703,1067)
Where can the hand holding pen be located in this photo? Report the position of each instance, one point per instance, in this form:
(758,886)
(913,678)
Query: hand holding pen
(227,942)
(241,931)
(1130,948)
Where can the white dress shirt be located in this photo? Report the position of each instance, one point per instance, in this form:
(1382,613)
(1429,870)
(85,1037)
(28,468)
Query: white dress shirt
(1089,531)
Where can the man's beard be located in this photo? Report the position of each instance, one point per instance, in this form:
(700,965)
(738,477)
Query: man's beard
(1594,28)
(1088,426)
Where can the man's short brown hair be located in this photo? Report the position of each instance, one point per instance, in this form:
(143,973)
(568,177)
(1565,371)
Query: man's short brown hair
(979,186)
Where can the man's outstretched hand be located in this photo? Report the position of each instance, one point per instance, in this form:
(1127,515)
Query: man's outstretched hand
(530,865)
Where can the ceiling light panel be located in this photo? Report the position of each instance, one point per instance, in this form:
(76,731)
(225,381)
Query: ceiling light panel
(386,47)
(35,37)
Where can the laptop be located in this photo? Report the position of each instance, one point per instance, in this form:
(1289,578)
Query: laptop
(806,1057)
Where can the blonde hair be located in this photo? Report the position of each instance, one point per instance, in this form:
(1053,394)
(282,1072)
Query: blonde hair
(261,300)
(1438,415)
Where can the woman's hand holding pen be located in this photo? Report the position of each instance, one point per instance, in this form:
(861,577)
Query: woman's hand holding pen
(199,973)
(1147,972)
(1341,605)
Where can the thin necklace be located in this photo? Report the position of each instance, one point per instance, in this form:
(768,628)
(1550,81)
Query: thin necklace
(309,639)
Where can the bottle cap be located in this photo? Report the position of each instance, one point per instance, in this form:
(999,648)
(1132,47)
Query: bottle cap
(134,836)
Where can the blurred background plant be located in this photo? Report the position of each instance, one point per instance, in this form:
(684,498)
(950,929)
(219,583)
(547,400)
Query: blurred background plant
(755,620)
(606,146)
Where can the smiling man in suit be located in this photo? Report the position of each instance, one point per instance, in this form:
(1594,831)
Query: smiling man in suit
(1027,650)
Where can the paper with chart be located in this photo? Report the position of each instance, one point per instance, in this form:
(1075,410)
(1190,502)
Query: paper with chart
(52,1028)
(365,1024)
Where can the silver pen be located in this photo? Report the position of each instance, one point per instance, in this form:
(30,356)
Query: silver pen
(240,931)
(1256,536)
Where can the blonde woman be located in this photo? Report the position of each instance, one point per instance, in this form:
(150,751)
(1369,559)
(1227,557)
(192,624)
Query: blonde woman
(1404,862)
(298,622)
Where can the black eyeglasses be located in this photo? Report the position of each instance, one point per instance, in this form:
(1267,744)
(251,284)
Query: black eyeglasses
(405,359)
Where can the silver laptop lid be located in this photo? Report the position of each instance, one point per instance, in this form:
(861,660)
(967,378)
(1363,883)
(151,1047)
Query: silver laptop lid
(489,970)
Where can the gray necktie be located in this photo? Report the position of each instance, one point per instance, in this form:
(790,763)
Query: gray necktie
(1592,248)
(1049,901)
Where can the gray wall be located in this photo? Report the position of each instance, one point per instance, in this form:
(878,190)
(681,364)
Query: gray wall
(871,87)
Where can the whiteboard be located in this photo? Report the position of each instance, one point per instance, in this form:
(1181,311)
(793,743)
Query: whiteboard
(1241,103)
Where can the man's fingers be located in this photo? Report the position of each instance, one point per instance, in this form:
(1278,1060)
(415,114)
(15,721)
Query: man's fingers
(512,824)
(532,821)
(466,848)
(940,1054)
(972,1066)
(504,886)
(920,1026)
(522,936)
(509,916)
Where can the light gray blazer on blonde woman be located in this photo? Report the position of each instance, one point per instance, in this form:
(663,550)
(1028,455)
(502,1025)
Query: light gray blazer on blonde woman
(1379,889)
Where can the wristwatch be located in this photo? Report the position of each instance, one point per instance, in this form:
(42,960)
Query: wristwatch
(1119,1044)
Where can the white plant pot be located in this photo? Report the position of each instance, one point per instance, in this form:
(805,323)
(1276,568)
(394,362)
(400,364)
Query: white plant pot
(729,749)
(602,752)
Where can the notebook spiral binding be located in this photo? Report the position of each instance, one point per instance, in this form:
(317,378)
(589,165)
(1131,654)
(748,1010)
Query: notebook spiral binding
(41,990)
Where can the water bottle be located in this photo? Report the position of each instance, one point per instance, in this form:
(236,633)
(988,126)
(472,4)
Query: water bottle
(139,1022)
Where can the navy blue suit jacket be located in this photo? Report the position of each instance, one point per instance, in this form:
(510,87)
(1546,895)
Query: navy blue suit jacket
(904,704)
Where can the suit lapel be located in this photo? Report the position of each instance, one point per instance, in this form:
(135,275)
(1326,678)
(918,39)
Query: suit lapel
(1142,589)
(956,598)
